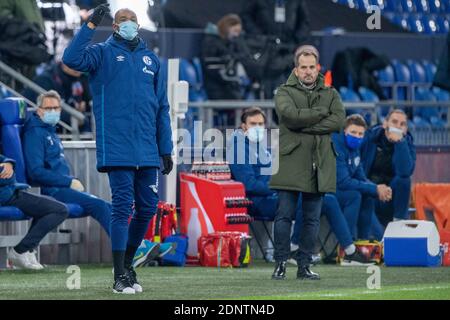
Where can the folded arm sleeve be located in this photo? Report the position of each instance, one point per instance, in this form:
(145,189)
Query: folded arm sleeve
(295,118)
(333,122)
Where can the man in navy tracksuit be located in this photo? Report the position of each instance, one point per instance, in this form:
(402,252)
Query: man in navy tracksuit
(388,155)
(250,159)
(47,214)
(133,129)
(355,192)
(47,166)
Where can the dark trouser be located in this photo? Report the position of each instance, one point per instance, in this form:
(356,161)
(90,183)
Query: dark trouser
(358,217)
(46,212)
(337,218)
(287,205)
(97,208)
(132,187)
(397,208)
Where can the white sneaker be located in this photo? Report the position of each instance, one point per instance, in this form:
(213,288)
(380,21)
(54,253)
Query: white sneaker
(20,261)
(33,260)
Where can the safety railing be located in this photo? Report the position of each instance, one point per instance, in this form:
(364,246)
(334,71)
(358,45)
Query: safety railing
(75,115)
(426,136)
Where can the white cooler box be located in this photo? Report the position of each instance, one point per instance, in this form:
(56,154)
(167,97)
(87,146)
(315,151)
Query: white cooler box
(411,243)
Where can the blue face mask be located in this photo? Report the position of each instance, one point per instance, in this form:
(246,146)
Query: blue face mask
(353,142)
(128,29)
(51,117)
(255,134)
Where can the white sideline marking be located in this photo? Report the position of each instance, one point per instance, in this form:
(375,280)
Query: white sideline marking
(374,291)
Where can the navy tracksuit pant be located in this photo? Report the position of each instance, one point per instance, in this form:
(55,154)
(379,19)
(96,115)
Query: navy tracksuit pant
(398,207)
(97,208)
(132,188)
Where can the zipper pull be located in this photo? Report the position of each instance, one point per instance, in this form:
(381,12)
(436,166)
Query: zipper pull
(314,166)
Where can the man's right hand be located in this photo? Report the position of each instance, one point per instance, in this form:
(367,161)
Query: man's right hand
(6,170)
(99,12)
(76,185)
(384,192)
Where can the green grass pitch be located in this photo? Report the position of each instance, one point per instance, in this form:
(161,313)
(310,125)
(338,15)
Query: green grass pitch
(248,284)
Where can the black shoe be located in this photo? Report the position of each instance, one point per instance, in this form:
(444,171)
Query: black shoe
(122,285)
(304,273)
(356,259)
(280,271)
(133,280)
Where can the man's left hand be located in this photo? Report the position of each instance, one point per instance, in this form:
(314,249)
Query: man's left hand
(7,171)
(394,137)
(168,163)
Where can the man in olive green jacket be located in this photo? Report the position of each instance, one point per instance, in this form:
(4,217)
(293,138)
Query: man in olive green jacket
(308,113)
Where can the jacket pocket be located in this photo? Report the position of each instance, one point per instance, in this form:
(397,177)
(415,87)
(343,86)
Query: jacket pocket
(334,150)
(287,148)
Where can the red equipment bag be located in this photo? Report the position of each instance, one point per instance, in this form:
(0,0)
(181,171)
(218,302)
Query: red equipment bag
(214,250)
(163,224)
(224,249)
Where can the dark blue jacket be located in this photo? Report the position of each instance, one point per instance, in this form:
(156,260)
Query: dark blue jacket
(246,167)
(129,100)
(349,169)
(403,159)
(44,156)
(8,186)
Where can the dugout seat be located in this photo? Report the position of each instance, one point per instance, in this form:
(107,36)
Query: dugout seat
(12,119)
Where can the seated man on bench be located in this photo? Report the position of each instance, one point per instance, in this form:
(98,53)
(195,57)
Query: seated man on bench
(46,212)
(47,166)
(250,163)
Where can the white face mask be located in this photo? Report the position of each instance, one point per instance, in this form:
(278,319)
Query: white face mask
(255,134)
(396,130)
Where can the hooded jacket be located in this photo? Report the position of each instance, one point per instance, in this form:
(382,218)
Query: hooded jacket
(129,100)
(44,156)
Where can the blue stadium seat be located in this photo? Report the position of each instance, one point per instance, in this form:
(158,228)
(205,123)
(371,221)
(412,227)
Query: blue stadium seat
(435,6)
(445,6)
(362,5)
(402,75)
(12,118)
(401,20)
(386,77)
(422,6)
(415,23)
(441,94)
(367,95)
(392,6)
(349,95)
(12,214)
(430,70)
(408,6)
(443,24)
(444,96)
(429,23)
(430,114)
(417,72)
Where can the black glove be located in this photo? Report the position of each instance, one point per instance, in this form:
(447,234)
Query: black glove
(168,163)
(99,13)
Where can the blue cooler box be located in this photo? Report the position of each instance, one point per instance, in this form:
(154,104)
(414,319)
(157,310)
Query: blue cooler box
(411,243)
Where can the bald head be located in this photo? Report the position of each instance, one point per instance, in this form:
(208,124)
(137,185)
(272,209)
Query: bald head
(124,15)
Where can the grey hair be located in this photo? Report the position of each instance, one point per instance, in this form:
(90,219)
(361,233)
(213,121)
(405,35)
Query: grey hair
(306,50)
(48,94)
